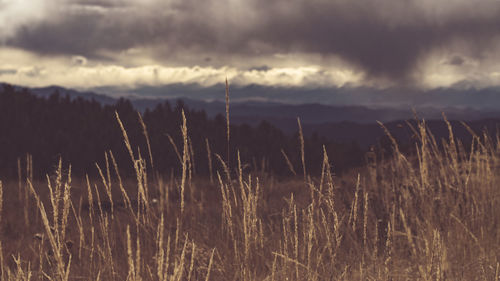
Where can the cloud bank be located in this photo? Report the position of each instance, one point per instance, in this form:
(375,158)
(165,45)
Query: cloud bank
(411,42)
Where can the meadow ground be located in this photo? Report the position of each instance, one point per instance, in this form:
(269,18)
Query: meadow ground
(431,216)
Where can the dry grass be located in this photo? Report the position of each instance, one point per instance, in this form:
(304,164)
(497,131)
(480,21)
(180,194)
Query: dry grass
(434,216)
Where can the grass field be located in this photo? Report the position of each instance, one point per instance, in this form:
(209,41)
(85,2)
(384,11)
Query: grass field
(431,216)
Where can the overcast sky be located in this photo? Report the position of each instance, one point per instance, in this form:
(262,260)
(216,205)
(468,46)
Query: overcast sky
(303,43)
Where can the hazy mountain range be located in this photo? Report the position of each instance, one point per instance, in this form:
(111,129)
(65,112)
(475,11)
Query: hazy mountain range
(403,98)
(341,120)
(254,102)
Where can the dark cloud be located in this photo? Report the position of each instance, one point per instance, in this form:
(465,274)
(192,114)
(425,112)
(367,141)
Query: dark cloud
(34,72)
(456,61)
(85,34)
(385,38)
(260,68)
(78,60)
(8,71)
(97,3)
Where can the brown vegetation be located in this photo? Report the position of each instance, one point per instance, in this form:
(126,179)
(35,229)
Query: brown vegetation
(434,216)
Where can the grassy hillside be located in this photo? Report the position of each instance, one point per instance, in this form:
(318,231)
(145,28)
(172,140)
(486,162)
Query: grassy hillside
(430,216)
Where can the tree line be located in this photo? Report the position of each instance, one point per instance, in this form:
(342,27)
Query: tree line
(80,131)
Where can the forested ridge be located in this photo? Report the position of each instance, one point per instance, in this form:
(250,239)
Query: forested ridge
(80,131)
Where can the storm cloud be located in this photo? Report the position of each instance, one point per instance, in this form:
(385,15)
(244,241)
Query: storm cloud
(7,71)
(383,38)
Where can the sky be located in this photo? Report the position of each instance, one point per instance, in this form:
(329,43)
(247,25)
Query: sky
(422,44)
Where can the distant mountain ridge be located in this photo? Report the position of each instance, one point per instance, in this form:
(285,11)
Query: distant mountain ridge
(281,114)
(338,123)
(484,99)
(45,92)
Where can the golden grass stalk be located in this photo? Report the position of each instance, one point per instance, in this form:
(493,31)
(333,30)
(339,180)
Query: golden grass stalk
(125,136)
(126,198)
(323,172)
(273,268)
(175,148)
(65,210)
(409,234)
(240,174)
(160,254)
(389,247)
(108,173)
(179,266)
(99,202)
(107,187)
(423,156)
(365,219)
(139,168)
(54,239)
(329,175)
(302,154)
(146,136)
(191,157)
(207,277)
(21,274)
(288,163)
(190,167)
(354,206)
(391,138)
(130,258)
(55,196)
(474,237)
(296,240)
(228,178)
(209,158)
(138,260)
(142,190)
(177,234)
(104,226)
(162,258)
(375,241)
(81,232)
(227,122)
(90,198)
(191,266)
(295,262)
(184,158)
(227,213)
(497,272)
(29,166)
